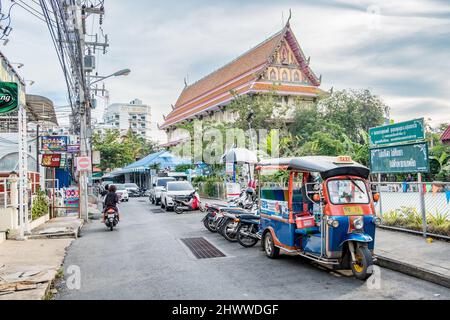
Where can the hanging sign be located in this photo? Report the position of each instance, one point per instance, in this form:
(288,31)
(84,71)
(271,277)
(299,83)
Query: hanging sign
(73,149)
(412,158)
(9,97)
(51,160)
(96,157)
(399,133)
(54,144)
(233,191)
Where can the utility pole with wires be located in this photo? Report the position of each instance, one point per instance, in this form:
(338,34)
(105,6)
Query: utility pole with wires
(66,21)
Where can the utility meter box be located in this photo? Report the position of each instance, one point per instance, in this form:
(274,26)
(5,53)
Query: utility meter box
(89,63)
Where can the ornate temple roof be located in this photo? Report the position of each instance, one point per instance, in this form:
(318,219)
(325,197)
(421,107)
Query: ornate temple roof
(241,76)
(446,136)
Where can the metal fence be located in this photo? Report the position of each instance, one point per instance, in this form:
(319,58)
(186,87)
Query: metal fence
(212,190)
(417,207)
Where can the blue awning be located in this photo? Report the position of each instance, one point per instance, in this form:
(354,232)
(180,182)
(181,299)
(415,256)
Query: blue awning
(163,158)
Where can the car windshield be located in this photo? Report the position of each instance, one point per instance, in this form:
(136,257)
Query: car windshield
(120,187)
(131,185)
(163,182)
(348,191)
(179,186)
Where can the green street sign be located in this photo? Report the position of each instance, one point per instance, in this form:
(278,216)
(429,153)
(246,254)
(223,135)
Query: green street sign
(9,97)
(398,133)
(411,158)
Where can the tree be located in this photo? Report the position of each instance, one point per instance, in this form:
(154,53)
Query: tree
(354,111)
(117,151)
(259,110)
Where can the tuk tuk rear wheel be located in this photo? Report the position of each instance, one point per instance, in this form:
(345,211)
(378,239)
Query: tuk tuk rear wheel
(363,263)
(269,246)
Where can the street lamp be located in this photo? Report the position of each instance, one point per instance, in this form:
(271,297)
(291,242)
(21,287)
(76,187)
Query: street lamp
(30,82)
(123,72)
(18,64)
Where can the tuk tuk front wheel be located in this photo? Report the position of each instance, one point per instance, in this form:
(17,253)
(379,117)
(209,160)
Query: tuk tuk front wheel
(269,246)
(363,263)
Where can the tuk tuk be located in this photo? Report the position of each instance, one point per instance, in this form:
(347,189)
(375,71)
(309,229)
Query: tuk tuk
(324,211)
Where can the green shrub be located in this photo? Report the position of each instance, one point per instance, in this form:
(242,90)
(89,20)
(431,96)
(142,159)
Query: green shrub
(410,218)
(40,205)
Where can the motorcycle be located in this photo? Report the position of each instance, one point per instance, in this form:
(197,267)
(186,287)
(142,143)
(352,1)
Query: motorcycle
(215,212)
(111,218)
(249,230)
(189,203)
(229,224)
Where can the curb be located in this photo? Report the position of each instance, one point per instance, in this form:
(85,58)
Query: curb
(413,271)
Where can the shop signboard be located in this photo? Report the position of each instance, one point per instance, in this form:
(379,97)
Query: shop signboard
(51,160)
(54,144)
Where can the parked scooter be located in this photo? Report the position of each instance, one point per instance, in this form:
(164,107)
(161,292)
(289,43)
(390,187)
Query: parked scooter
(189,203)
(216,213)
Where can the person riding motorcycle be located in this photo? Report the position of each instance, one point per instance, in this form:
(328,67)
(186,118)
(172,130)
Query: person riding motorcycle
(111,201)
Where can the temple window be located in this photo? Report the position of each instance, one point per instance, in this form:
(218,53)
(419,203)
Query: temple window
(273,75)
(296,77)
(285,76)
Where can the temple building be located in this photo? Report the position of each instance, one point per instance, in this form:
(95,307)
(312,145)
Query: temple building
(276,65)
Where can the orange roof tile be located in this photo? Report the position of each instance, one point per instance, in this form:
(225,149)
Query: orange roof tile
(446,135)
(245,63)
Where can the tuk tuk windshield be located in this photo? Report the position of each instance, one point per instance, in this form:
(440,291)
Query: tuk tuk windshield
(345,191)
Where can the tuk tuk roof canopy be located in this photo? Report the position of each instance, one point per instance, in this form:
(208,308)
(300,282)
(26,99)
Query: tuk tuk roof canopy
(327,166)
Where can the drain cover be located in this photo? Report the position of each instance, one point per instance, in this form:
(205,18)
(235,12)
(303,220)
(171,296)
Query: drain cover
(202,248)
(157,211)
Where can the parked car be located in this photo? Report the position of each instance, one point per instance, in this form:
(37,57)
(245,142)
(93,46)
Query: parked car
(122,192)
(175,188)
(158,186)
(133,190)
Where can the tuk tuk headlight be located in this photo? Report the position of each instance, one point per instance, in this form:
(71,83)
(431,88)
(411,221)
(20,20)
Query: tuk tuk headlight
(377,221)
(358,223)
(333,223)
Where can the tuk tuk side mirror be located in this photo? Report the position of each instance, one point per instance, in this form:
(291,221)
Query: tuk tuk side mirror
(376,197)
(154,185)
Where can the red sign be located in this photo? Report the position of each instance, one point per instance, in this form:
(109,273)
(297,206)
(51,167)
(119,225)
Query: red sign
(84,164)
(51,160)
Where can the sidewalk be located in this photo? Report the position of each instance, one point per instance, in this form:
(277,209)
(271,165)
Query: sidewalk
(408,254)
(28,268)
(414,256)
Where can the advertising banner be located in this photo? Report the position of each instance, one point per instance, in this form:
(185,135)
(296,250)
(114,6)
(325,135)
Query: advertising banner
(54,144)
(9,97)
(51,160)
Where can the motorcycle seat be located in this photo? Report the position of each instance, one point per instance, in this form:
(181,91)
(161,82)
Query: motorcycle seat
(232,210)
(248,217)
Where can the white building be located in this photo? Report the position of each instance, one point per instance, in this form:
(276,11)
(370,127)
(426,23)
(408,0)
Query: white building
(134,115)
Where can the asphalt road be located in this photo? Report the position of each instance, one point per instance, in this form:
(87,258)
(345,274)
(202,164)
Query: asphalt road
(145,259)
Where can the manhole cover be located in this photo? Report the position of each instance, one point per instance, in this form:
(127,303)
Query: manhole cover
(157,211)
(202,248)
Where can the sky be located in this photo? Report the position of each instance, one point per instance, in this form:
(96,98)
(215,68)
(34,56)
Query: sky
(400,50)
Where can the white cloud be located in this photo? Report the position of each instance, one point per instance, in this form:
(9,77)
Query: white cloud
(163,42)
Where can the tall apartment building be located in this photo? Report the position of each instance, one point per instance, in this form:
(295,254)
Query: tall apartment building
(134,115)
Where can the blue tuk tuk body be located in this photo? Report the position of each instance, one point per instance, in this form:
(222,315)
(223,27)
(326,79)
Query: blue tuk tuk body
(331,221)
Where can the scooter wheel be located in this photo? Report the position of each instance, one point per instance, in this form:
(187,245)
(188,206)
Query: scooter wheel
(178,210)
